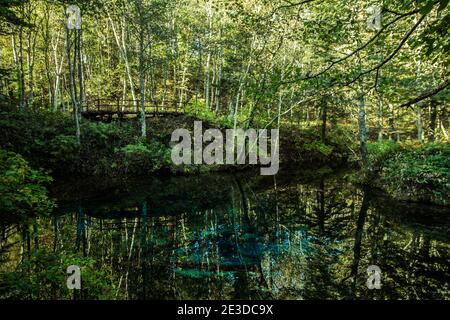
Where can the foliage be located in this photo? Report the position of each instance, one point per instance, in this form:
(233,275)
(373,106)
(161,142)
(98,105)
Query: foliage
(9,16)
(434,41)
(198,110)
(381,150)
(145,158)
(421,175)
(318,146)
(315,69)
(22,189)
(64,151)
(306,147)
(42,275)
(236,63)
(47,140)
(30,133)
(98,144)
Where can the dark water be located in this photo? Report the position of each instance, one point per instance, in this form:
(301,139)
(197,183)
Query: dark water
(294,236)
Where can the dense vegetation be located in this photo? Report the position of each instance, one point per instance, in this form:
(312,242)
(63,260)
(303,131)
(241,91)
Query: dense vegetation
(350,84)
(22,189)
(117,149)
(419,174)
(346,84)
(47,140)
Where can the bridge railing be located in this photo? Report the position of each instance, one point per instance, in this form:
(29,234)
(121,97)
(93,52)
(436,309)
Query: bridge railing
(123,107)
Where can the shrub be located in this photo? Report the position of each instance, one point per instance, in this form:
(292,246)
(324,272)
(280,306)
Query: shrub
(381,151)
(64,152)
(146,158)
(48,140)
(318,146)
(422,174)
(107,136)
(30,134)
(42,276)
(99,141)
(198,110)
(22,190)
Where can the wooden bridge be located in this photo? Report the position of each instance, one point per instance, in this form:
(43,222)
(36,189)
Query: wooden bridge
(118,108)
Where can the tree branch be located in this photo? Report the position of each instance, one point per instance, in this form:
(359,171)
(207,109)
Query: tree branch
(285,6)
(335,62)
(292,4)
(392,55)
(427,94)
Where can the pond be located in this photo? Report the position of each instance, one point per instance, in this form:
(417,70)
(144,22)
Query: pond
(297,235)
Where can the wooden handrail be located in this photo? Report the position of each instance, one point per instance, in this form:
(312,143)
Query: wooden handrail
(111,106)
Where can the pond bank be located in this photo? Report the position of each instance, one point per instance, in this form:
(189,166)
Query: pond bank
(112,153)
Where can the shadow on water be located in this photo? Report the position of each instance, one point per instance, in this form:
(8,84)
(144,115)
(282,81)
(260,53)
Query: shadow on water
(293,236)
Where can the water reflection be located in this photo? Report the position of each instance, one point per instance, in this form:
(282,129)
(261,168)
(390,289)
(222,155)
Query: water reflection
(295,236)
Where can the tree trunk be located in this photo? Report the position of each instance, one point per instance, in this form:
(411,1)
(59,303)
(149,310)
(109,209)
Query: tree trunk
(123,50)
(73,95)
(219,78)
(82,94)
(380,117)
(324,121)
(362,131)
(18,60)
(419,123)
(142,79)
(358,239)
(433,116)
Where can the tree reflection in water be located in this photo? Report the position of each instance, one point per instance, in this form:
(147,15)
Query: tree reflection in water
(223,237)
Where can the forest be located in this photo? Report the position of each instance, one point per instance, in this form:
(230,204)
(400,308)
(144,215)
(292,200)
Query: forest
(91,93)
